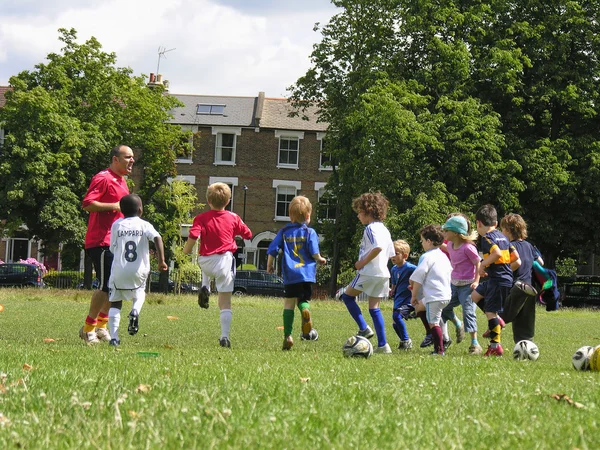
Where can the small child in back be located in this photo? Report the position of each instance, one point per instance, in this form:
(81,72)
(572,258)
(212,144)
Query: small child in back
(432,277)
(400,292)
(129,239)
(217,230)
(372,274)
(300,247)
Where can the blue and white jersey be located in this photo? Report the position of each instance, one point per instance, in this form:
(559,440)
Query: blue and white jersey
(376,235)
(298,243)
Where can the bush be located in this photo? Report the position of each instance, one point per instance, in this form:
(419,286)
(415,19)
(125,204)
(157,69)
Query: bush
(68,279)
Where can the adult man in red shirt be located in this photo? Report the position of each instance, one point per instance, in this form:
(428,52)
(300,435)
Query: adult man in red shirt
(102,202)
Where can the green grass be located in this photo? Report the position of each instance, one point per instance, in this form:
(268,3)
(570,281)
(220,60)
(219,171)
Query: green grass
(256,396)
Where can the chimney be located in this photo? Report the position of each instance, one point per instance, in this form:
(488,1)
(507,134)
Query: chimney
(159,79)
(151,78)
(260,102)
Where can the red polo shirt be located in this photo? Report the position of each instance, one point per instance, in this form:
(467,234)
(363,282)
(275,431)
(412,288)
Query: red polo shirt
(105,187)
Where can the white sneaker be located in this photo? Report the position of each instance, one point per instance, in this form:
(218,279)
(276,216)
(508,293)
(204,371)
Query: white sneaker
(103,334)
(385,350)
(89,338)
(367,332)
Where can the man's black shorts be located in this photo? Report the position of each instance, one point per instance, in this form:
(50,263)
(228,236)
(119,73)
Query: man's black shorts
(301,291)
(102,259)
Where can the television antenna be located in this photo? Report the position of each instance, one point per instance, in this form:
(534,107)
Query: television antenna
(161,54)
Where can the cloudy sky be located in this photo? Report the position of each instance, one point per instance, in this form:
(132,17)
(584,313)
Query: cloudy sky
(222,47)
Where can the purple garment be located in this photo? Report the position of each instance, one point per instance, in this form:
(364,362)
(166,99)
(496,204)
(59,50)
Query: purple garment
(463,259)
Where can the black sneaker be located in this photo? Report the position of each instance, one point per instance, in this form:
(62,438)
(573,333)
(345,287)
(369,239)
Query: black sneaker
(133,323)
(447,343)
(114,342)
(427,341)
(224,342)
(203,297)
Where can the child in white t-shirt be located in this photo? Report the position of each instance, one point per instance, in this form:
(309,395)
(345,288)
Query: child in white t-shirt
(129,243)
(372,274)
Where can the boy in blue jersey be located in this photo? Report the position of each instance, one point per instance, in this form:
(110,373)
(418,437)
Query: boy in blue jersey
(495,271)
(401,272)
(300,247)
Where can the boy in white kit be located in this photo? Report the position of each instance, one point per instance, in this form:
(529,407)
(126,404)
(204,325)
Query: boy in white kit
(372,276)
(129,243)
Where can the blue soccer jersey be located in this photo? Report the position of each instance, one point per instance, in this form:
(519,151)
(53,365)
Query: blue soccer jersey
(400,278)
(298,243)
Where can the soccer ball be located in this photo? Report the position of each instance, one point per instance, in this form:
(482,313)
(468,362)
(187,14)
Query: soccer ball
(581,358)
(595,359)
(526,350)
(358,346)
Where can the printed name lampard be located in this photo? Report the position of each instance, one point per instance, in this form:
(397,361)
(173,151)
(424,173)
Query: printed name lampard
(129,233)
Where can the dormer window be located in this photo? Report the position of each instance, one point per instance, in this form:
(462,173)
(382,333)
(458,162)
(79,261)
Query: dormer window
(213,110)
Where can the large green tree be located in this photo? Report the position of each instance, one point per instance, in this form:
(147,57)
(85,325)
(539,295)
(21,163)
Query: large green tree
(62,118)
(446,105)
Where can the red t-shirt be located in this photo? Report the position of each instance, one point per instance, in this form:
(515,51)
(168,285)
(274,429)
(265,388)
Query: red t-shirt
(105,187)
(217,231)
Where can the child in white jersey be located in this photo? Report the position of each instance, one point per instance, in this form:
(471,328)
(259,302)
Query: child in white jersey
(372,274)
(129,238)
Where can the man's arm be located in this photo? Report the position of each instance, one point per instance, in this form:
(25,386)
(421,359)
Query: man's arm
(160,253)
(102,207)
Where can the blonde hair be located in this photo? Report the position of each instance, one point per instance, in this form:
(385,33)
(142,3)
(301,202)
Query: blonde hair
(402,247)
(471,235)
(300,207)
(218,195)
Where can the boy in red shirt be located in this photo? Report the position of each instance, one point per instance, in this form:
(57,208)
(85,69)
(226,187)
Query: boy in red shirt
(217,230)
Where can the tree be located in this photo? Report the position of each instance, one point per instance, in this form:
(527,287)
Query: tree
(62,119)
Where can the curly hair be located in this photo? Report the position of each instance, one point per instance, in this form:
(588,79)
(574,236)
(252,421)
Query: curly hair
(433,233)
(373,204)
(514,224)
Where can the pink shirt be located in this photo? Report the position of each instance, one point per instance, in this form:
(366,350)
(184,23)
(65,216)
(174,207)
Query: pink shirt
(217,231)
(105,187)
(464,260)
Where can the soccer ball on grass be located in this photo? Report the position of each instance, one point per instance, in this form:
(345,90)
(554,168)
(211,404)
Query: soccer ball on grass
(358,346)
(581,358)
(526,350)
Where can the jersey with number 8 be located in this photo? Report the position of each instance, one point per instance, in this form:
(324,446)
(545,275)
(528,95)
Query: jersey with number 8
(129,240)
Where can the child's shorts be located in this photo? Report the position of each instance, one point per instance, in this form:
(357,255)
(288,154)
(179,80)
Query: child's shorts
(493,295)
(405,311)
(372,286)
(118,295)
(301,291)
(219,267)
(433,310)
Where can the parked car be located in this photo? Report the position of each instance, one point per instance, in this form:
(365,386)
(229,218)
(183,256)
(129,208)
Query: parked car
(583,292)
(258,282)
(186,288)
(20,275)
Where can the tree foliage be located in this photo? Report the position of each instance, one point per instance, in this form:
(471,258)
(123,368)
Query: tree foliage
(444,106)
(62,118)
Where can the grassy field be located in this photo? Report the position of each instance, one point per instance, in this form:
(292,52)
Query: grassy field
(62,394)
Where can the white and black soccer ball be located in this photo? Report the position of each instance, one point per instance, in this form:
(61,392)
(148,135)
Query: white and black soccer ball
(526,350)
(358,346)
(581,358)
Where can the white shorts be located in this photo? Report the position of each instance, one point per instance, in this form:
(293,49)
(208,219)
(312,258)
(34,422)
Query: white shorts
(372,286)
(220,268)
(117,295)
(433,310)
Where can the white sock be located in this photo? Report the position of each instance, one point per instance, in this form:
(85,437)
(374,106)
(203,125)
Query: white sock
(137,304)
(225,322)
(114,319)
(445,330)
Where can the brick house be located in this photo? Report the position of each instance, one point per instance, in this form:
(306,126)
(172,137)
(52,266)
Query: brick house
(265,156)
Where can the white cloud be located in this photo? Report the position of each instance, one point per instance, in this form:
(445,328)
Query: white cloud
(218,49)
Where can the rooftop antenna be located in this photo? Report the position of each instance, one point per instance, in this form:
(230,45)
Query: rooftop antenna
(161,54)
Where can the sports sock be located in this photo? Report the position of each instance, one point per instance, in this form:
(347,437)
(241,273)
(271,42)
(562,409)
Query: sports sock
(89,325)
(474,341)
(114,320)
(288,322)
(423,316)
(101,320)
(379,326)
(399,326)
(137,304)
(354,311)
(457,322)
(438,340)
(225,322)
(495,330)
(304,308)
(444,329)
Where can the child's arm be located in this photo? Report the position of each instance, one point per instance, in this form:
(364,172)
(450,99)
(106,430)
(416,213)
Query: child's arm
(319,259)
(416,288)
(489,260)
(160,253)
(475,282)
(270,264)
(367,259)
(189,246)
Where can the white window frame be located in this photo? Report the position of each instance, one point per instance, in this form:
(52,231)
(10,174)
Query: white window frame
(280,185)
(191,143)
(320,188)
(288,135)
(1,137)
(218,132)
(231,181)
(10,248)
(321,138)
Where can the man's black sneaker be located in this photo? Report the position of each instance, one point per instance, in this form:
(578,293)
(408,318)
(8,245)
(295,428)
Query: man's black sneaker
(203,297)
